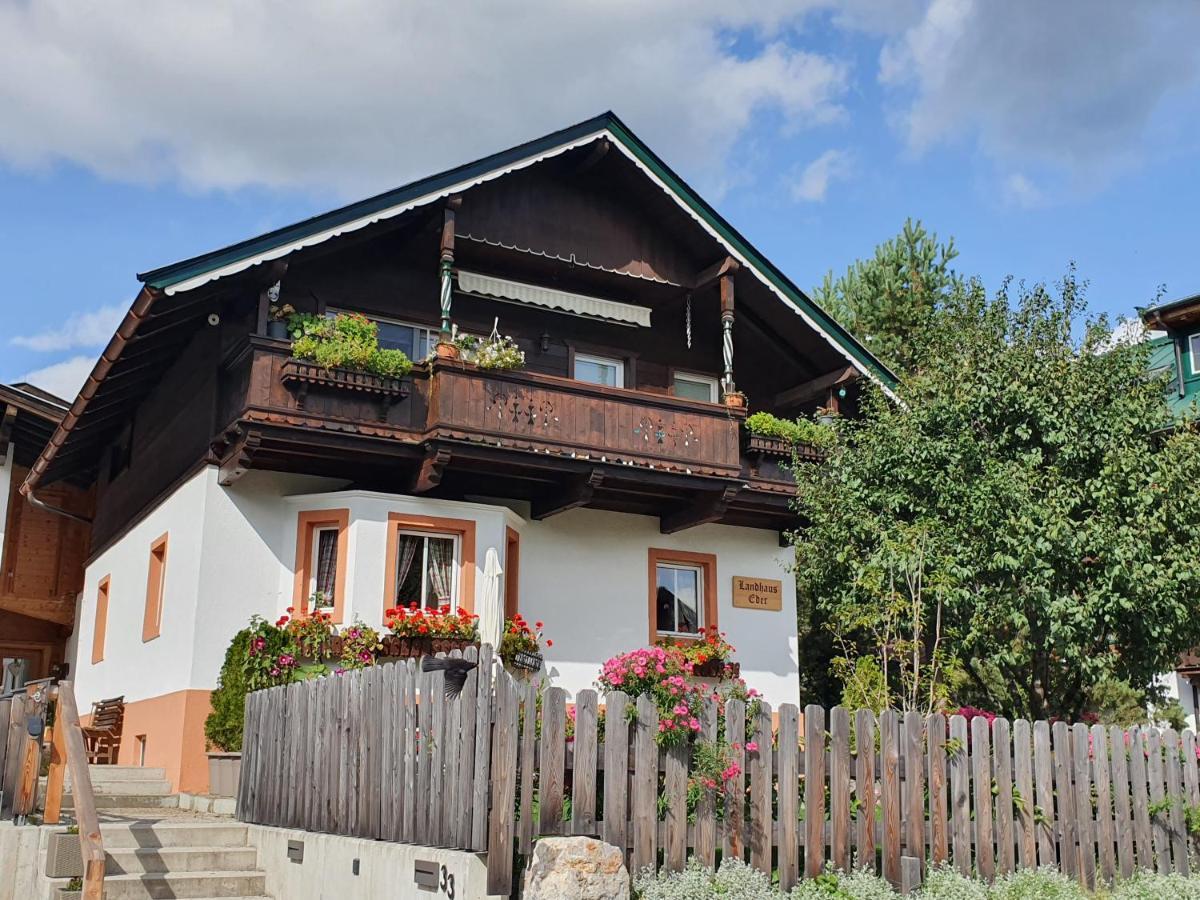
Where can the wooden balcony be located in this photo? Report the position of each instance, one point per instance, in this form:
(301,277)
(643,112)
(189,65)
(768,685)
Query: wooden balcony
(454,429)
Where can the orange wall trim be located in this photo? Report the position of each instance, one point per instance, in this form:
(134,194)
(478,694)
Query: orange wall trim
(101,625)
(306,524)
(174,728)
(707,562)
(155,581)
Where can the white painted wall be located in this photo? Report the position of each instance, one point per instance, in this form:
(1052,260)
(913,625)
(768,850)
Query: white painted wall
(584,574)
(1180,688)
(231,552)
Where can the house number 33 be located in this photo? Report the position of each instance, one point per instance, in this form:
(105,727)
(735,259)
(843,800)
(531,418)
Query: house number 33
(447,884)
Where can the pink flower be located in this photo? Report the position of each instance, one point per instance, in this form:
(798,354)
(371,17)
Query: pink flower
(752,746)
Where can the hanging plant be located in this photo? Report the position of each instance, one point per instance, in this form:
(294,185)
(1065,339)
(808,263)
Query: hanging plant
(497,352)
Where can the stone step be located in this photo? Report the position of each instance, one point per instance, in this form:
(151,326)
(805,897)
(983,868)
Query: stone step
(152,886)
(131,788)
(150,835)
(132,860)
(127,801)
(109,774)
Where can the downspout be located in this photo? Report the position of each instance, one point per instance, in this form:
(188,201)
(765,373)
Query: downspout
(126,330)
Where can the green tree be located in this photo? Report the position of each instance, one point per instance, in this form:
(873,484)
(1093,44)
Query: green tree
(888,301)
(1055,509)
(223,727)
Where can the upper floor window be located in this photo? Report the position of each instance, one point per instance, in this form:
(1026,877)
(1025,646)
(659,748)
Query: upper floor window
(696,387)
(415,341)
(1194,352)
(599,370)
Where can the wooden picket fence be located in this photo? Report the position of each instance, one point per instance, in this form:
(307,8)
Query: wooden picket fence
(347,756)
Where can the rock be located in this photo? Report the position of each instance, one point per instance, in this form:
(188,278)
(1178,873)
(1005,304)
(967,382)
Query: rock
(576,868)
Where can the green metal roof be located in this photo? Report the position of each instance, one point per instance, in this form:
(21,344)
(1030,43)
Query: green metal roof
(177,273)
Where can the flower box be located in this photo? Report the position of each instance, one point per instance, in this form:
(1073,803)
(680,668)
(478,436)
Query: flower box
(303,375)
(530,662)
(716,668)
(404,647)
(780,448)
(64,856)
(224,773)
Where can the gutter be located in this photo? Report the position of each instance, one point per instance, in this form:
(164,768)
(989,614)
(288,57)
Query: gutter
(58,511)
(125,331)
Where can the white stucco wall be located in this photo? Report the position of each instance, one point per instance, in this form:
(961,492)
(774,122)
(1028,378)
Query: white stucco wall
(231,553)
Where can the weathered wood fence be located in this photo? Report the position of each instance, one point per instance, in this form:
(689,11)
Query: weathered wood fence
(348,755)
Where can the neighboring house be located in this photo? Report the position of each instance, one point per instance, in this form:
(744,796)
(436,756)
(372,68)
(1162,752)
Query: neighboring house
(42,570)
(1176,351)
(609,476)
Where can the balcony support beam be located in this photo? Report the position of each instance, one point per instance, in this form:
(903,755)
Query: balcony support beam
(429,474)
(709,506)
(578,492)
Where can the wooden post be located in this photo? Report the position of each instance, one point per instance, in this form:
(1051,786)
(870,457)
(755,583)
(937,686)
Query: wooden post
(910,874)
(447,262)
(56,777)
(90,841)
(727,331)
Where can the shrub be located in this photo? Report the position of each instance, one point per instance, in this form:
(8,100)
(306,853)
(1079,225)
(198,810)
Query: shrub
(794,431)
(345,341)
(360,645)
(1152,886)
(945,883)
(734,879)
(414,621)
(223,727)
(1037,884)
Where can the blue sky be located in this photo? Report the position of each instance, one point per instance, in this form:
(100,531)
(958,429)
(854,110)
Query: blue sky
(1034,134)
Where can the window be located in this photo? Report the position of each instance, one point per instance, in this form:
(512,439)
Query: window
(683,593)
(430,561)
(321,548)
(101,621)
(155,579)
(1194,353)
(426,570)
(599,370)
(415,340)
(696,387)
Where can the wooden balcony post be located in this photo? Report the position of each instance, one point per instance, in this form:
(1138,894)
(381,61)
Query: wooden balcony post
(727,331)
(447,262)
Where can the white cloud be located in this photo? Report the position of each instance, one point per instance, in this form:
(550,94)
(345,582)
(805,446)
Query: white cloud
(1020,191)
(813,182)
(366,94)
(1073,85)
(82,329)
(63,379)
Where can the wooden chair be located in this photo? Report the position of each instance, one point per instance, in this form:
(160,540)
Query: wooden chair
(102,736)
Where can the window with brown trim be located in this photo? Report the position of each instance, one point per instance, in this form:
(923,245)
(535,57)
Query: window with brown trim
(101,620)
(430,562)
(155,579)
(682,595)
(322,542)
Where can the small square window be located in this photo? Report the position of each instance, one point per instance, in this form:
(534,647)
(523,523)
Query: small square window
(599,370)
(696,387)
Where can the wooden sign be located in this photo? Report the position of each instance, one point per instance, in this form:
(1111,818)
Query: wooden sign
(757,593)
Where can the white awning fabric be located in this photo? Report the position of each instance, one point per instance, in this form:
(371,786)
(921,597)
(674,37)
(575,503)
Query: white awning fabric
(560,301)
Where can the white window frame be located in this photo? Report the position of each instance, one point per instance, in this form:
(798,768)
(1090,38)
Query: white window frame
(709,381)
(1194,352)
(618,364)
(315,566)
(700,623)
(430,332)
(456,564)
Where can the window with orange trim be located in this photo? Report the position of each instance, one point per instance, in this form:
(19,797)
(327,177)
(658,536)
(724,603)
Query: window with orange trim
(101,620)
(155,579)
(682,595)
(430,562)
(322,544)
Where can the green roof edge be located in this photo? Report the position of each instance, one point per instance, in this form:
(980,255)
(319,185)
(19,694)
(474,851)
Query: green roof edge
(165,276)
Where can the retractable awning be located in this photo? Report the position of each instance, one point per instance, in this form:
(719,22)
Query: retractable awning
(548,298)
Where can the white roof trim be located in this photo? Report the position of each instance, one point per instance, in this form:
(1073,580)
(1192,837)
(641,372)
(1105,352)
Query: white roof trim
(549,298)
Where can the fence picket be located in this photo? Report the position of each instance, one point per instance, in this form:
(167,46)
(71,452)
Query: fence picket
(583,784)
(889,752)
(1141,801)
(1179,840)
(914,786)
(645,785)
(411,777)
(706,818)
(981,775)
(1081,762)
(503,793)
(1102,775)
(960,797)
(452,735)
(733,845)
(1068,837)
(864,788)
(1191,774)
(465,784)
(1003,773)
(935,742)
(1154,773)
(552,760)
(435,799)
(761,819)
(1023,774)
(789,792)
(1043,773)
(616,770)
(839,788)
(814,790)
(1119,758)
(675,787)
(526,827)
(483,740)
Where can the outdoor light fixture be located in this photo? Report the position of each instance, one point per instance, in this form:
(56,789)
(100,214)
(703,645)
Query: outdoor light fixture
(545,341)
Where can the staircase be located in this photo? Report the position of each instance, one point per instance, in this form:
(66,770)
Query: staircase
(126,788)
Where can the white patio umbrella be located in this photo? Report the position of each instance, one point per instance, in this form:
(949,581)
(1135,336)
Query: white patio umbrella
(491,613)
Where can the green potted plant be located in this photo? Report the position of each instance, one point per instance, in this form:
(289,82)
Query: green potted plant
(73,890)
(277,320)
(423,632)
(343,351)
(521,645)
(223,727)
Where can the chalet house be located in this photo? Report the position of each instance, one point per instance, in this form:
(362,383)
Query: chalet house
(610,474)
(42,569)
(1176,351)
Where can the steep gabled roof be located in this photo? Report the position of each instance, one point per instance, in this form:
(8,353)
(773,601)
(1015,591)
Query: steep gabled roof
(199,270)
(189,274)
